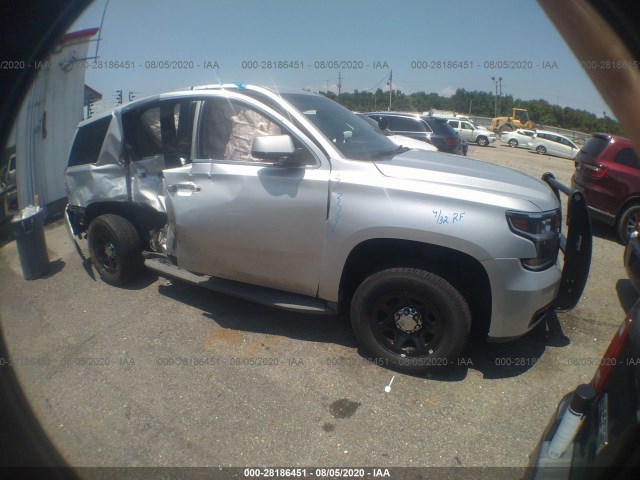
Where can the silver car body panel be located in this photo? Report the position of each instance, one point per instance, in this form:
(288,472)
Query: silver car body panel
(293,228)
(409,142)
(105,180)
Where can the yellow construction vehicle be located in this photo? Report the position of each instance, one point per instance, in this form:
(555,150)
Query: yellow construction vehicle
(518,119)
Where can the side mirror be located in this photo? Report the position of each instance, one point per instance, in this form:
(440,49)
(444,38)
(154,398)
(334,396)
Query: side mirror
(383,123)
(275,148)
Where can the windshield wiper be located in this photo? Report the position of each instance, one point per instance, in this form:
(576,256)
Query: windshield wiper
(397,151)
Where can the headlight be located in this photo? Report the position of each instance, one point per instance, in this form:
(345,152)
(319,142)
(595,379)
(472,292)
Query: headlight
(543,229)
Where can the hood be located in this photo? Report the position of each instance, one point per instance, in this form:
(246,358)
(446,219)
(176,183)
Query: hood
(457,171)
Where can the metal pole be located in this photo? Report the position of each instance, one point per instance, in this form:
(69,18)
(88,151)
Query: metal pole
(390,86)
(495,98)
(100,30)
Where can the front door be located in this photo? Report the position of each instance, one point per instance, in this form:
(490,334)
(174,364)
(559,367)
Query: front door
(243,218)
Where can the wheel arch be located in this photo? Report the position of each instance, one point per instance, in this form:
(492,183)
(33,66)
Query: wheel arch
(634,200)
(374,255)
(143,217)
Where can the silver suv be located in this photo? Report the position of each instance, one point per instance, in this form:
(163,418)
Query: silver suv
(288,199)
(470,132)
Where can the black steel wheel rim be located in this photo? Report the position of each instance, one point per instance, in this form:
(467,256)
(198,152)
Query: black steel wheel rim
(407,323)
(105,251)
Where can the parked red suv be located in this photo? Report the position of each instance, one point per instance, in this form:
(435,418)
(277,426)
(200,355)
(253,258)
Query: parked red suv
(608,173)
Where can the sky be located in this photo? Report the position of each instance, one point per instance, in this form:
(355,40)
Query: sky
(223,41)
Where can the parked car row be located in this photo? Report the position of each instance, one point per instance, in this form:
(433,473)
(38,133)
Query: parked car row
(542,142)
(433,130)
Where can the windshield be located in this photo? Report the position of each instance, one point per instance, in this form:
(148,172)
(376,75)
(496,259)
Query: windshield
(352,135)
(522,115)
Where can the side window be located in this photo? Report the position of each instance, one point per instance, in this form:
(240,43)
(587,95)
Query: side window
(454,124)
(466,126)
(142,131)
(88,142)
(176,121)
(628,158)
(228,128)
(404,124)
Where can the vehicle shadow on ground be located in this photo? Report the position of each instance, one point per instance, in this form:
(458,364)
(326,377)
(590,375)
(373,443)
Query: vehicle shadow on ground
(627,295)
(508,359)
(493,360)
(237,314)
(146,278)
(604,231)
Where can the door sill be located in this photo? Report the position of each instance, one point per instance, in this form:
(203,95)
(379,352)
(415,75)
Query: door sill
(263,295)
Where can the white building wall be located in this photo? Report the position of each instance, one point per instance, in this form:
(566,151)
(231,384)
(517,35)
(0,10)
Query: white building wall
(46,125)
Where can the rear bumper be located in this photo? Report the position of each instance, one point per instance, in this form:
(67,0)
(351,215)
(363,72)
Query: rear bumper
(595,213)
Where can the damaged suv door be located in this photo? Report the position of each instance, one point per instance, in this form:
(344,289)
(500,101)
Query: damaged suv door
(255,215)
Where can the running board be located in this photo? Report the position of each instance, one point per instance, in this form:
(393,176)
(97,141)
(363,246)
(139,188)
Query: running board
(262,295)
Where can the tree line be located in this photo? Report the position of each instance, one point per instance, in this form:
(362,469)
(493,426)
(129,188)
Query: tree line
(477,103)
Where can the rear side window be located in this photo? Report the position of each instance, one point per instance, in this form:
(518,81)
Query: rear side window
(88,142)
(440,127)
(628,158)
(402,124)
(142,131)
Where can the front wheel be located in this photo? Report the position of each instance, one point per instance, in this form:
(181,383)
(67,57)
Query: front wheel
(115,248)
(410,319)
(513,143)
(541,150)
(483,141)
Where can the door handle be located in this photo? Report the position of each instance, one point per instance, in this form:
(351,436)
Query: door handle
(186,186)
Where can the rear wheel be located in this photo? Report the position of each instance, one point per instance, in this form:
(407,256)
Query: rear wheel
(410,319)
(483,141)
(541,150)
(115,248)
(628,222)
(513,143)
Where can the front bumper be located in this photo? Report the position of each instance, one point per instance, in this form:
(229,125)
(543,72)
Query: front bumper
(520,297)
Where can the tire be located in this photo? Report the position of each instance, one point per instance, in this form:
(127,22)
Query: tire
(627,222)
(504,128)
(513,143)
(115,248)
(483,141)
(541,150)
(410,320)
